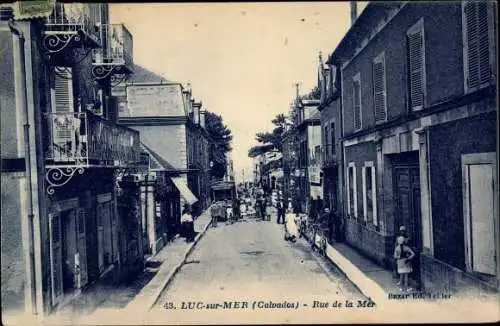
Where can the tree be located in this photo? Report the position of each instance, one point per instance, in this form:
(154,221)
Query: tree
(221,143)
(270,140)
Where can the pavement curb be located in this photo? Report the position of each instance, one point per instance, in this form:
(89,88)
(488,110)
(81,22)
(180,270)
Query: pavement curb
(146,304)
(176,268)
(366,285)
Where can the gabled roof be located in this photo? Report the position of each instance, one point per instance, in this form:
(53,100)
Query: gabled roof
(157,161)
(315,116)
(143,75)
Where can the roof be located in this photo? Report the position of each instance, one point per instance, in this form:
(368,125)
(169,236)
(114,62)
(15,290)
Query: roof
(363,26)
(315,116)
(157,161)
(143,75)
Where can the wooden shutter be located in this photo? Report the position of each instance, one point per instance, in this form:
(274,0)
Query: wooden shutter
(62,95)
(56,257)
(357,102)
(82,245)
(477,43)
(379,89)
(63,125)
(416,65)
(332,137)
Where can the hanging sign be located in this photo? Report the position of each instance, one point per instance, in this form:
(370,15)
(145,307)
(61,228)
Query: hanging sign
(33,9)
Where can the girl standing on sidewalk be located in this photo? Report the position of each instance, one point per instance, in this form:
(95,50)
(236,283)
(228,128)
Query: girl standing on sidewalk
(403,255)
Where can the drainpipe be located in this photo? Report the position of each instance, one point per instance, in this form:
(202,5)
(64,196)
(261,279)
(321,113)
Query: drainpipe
(24,107)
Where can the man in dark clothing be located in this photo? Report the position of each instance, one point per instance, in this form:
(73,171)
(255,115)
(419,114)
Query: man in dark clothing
(319,205)
(313,213)
(281,212)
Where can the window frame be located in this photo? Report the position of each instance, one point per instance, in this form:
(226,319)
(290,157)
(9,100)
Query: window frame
(357,78)
(333,138)
(371,165)
(354,190)
(418,26)
(491,44)
(379,58)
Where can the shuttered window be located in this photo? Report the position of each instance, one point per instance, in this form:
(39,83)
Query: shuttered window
(379,89)
(416,65)
(332,137)
(356,87)
(62,94)
(477,43)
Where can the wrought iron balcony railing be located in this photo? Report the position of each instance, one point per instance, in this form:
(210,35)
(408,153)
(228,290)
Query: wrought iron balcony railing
(116,55)
(72,25)
(329,154)
(84,139)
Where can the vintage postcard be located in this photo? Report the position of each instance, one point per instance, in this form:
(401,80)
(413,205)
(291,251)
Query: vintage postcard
(179,163)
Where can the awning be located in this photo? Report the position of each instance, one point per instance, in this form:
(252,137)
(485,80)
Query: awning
(184,190)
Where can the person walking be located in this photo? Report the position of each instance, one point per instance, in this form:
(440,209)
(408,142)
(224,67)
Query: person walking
(187,224)
(281,212)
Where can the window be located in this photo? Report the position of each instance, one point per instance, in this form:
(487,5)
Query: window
(326,141)
(356,87)
(351,190)
(332,137)
(416,65)
(480,212)
(478,40)
(62,92)
(379,89)
(369,193)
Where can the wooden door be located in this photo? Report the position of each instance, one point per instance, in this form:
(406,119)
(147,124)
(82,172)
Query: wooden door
(407,195)
(108,235)
(114,234)
(101,211)
(82,246)
(69,249)
(56,257)
(480,218)
(408,212)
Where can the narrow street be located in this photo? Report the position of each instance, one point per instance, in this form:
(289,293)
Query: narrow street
(249,261)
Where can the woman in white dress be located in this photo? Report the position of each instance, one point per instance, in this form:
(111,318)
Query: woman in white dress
(291,229)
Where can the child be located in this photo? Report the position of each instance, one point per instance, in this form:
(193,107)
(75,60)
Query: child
(403,254)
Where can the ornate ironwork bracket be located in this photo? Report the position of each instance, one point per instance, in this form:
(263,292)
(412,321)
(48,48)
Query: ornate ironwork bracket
(118,79)
(54,43)
(104,71)
(58,177)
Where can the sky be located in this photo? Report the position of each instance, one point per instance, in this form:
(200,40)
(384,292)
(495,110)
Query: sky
(241,59)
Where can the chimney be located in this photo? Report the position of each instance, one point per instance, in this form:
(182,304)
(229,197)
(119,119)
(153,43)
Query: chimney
(354,12)
(202,118)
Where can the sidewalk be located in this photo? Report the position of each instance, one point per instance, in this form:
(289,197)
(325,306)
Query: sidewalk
(377,283)
(142,293)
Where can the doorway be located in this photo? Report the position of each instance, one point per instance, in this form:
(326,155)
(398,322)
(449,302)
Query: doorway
(407,206)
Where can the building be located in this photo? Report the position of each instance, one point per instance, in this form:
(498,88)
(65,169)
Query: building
(419,120)
(308,130)
(331,134)
(172,130)
(63,225)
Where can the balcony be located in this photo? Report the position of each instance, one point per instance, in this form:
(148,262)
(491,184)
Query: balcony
(71,26)
(115,57)
(329,156)
(80,140)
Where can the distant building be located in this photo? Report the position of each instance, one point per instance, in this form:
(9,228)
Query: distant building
(172,126)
